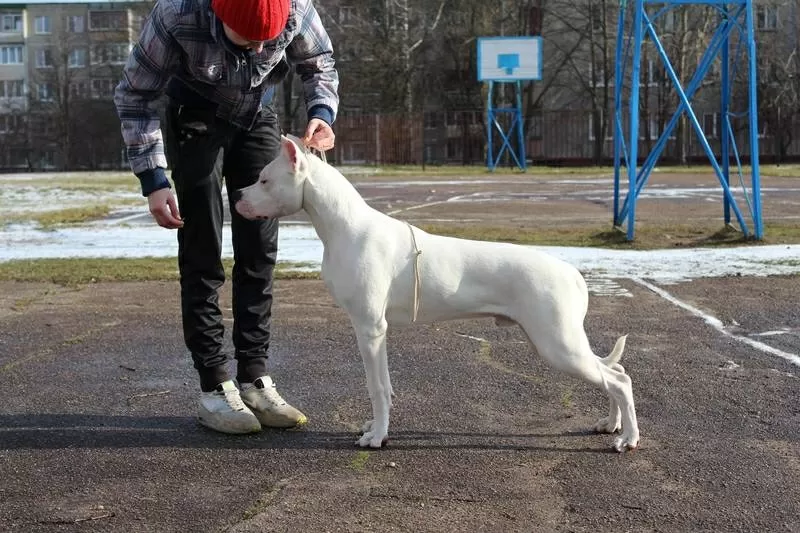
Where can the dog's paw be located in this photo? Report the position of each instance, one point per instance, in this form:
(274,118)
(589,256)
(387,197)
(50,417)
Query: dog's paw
(371,440)
(607,425)
(625,443)
(367,426)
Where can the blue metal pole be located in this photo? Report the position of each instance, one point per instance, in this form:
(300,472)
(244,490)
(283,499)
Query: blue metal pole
(490,129)
(694,84)
(633,142)
(725,98)
(618,83)
(520,129)
(704,143)
(758,228)
(700,135)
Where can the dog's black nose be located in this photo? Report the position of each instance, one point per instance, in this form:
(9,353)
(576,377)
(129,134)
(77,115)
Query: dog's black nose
(236,195)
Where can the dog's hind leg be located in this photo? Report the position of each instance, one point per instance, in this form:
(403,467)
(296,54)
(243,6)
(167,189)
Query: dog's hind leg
(570,351)
(372,345)
(613,422)
(620,392)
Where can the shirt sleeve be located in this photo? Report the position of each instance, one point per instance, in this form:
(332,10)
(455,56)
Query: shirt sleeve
(152,61)
(311,52)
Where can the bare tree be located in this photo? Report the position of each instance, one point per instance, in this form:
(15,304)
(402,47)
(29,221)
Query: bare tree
(779,95)
(51,111)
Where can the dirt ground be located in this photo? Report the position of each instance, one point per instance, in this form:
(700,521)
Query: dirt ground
(98,429)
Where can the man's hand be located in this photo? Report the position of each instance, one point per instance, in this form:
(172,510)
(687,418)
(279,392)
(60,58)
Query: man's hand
(319,135)
(164,208)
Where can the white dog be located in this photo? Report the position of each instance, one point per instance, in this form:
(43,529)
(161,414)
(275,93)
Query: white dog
(384,272)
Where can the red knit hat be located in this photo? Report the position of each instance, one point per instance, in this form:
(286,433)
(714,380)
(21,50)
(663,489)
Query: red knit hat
(255,20)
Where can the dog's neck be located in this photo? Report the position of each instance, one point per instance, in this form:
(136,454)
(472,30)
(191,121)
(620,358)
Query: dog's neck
(330,200)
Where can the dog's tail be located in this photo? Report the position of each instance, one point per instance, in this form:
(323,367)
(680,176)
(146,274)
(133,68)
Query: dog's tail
(616,354)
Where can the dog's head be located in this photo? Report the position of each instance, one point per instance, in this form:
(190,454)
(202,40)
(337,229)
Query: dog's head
(279,189)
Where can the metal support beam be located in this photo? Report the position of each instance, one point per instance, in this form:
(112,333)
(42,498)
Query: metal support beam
(635,26)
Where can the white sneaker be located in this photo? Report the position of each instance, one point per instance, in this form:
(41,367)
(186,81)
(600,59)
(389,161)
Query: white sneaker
(263,399)
(224,411)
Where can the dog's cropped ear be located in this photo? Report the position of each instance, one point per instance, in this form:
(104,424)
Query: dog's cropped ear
(293,154)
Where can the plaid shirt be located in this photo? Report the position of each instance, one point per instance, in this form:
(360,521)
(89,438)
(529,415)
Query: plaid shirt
(183,39)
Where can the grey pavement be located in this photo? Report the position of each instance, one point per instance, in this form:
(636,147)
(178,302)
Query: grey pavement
(98,429)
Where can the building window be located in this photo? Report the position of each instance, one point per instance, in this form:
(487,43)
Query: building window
(43,126)
(47,159)
(116,53)
(44,58)
(598,19)
(651,125)
(42,25)
(656,73)
(607,133)
(108,20)
(711,125)
(79,89)
(430,120)
(766,17)
(45,92)
(347,15)
(11,23)
(76,24)
(10,55)
(103,88)
(10,123)
(668,21)
(77,58)
(12,89)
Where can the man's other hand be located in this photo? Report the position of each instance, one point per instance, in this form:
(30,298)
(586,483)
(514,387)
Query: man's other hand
(164,208)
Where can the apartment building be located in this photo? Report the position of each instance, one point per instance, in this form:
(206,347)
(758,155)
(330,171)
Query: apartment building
(59,63)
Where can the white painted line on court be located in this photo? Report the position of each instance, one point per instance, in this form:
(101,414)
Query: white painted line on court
(123,220)
(471,337)
(772,333)
(418,206)
(457,198)
(717,324)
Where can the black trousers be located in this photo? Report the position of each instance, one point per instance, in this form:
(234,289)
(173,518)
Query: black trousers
(202,150)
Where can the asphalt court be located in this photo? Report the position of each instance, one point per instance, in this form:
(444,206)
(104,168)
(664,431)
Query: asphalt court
(97,429)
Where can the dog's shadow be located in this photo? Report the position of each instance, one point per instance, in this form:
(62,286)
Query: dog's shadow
(74,431)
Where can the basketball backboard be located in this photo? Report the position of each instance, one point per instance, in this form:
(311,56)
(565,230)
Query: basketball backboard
(509,58)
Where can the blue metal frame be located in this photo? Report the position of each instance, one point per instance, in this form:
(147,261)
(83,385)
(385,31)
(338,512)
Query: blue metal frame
(516,126)
(630,39)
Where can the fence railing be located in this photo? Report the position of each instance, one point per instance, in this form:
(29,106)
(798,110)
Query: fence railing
(552,137)
(434,138)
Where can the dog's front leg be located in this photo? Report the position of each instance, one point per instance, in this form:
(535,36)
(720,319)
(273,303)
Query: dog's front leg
(372,345)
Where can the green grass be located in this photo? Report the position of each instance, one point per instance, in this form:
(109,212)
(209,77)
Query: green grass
(74,271)
(567,399)
(122,180)
(61,217)
(783,262)
(789,170)
(359,461)
(646,238)
(72,215)
(78,181)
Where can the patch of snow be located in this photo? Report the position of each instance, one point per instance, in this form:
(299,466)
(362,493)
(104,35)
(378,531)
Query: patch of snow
(298,242)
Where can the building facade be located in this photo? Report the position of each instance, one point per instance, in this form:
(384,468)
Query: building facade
(59,63)
(409,92)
